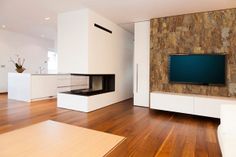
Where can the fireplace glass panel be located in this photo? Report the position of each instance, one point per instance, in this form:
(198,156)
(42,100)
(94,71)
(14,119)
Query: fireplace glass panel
(98,84)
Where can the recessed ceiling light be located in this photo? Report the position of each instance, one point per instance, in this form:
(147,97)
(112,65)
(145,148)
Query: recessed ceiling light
(4,26)
(47,18)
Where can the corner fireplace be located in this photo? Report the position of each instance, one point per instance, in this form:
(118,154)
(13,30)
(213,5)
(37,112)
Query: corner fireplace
(98,84)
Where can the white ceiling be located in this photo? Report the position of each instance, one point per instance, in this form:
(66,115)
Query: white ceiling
(27,16)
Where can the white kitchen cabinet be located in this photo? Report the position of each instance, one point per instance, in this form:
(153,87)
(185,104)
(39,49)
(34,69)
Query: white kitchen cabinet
(31,87)
(72,82)
(64,80)
(141,63)
(43,86)
(63,83)
(3,78)
(80,80)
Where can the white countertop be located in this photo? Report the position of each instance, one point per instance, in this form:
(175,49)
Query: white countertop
(40,74)
(51,74)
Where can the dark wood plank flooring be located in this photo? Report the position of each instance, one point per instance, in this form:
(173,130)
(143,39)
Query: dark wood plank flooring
(149,132)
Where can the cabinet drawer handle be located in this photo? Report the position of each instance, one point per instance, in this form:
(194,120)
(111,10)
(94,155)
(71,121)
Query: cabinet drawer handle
(137,78)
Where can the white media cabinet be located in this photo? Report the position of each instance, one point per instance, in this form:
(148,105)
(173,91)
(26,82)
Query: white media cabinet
(208,106)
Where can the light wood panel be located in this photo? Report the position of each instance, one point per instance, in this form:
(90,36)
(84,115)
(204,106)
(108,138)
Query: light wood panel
(148,132)
(54,139)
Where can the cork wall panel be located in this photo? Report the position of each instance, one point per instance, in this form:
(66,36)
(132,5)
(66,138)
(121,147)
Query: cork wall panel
(199,33)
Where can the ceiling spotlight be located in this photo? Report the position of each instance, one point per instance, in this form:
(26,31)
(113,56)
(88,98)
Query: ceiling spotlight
(47,18)
(4,26)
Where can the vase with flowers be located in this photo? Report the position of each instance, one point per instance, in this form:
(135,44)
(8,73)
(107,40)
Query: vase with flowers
(18,63)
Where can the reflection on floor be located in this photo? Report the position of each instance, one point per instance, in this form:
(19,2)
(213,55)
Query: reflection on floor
(148,132)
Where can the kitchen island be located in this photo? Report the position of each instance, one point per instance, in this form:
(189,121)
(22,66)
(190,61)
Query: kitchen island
(32,87)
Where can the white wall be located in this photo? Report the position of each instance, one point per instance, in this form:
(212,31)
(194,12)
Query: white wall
(105,53)
(34,50)
(72,42)
(112,54)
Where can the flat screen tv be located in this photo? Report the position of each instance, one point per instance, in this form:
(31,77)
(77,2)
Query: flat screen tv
(202,69)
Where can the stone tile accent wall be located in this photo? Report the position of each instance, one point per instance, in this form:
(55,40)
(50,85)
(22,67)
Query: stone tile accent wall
(198,33)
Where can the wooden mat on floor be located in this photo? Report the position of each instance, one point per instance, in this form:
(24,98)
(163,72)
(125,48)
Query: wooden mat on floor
(54,139)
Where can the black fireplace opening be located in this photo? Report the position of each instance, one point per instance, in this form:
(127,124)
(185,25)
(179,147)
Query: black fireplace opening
(98,84)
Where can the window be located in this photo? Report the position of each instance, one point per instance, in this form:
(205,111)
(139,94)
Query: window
(52,62)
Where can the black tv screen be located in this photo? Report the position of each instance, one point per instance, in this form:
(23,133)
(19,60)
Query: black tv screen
(197,69)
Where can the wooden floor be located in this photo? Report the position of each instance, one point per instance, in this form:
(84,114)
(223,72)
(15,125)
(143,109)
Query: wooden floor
(149,132)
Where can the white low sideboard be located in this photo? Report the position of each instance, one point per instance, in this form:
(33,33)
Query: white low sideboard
(208,106)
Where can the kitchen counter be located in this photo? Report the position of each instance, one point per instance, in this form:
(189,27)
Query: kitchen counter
(29,87)
(51,74)
(32,87)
